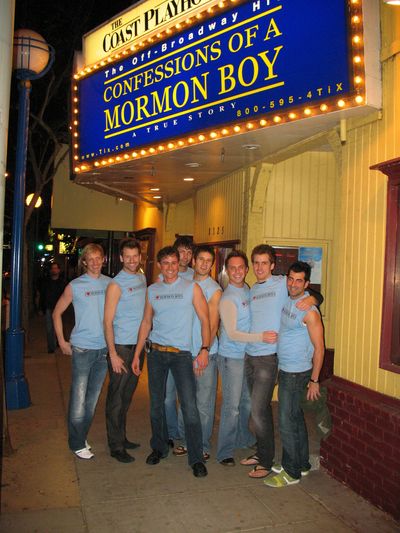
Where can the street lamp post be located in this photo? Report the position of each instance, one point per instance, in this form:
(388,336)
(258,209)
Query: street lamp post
(32,59)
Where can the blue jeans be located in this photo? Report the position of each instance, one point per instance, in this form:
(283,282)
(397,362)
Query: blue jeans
(206,391)
(235,410)
(171,409)
(89,368)
(261,372)
(293,429)
(181,366)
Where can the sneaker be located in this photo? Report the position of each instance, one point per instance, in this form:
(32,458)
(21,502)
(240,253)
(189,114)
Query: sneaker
(280,480)
(84,453)
(87,445)
(277,468)
(179,451)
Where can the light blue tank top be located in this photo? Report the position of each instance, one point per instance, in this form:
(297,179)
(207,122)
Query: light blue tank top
(88,295)
(266,302)
(295,349)
(188,275)
(173,313)
(240,297)
(129,312)
(208,286)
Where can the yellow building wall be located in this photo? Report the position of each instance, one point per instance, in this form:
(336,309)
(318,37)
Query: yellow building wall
(178,218)
(361,235)
(75,206)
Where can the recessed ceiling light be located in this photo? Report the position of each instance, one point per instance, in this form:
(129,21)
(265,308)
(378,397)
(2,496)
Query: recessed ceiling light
(157,197)
(155,189)
(251,146)
(193,165)
(188,179)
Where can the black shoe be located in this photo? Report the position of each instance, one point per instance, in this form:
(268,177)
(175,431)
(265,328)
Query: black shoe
(155,457)
(122,456)
(171,443)
(199,470)
(128,445)
(229,461)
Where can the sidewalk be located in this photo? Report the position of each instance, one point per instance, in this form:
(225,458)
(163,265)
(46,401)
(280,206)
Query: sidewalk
(45,489)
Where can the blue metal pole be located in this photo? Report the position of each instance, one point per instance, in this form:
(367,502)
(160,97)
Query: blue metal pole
(17,392)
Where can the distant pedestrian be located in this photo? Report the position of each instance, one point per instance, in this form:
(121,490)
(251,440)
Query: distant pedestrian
(51,289)
(87,345)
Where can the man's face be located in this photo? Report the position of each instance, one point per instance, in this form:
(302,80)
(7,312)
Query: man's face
(203,263)
(169,267)
(130,259)
(94,262)
(296,284)
(54,271)
(236,271)
(262,267)
(185,256)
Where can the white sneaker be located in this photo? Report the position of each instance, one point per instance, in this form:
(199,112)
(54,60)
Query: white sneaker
(84,453)
(87,445)
(278,468)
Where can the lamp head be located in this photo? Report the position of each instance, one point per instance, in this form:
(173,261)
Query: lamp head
(32,56)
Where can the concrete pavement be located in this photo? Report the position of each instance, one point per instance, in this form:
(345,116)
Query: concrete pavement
(45,489)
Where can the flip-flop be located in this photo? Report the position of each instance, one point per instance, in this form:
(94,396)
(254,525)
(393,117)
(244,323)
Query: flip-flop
(252,460)
(259,471)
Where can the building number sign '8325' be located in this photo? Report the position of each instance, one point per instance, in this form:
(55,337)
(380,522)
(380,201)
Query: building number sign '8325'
(249,61)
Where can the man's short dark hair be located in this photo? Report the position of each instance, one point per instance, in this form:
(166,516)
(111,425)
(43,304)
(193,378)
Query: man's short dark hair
(204,248)
(301,266)
(237,253)
(129,243)
(185,242)
(264,249)
(167,251)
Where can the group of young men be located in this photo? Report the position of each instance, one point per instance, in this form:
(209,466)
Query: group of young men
(176,322)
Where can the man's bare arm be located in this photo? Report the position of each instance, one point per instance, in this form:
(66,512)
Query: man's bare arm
(316,331)
(213,312)
(201,308)
(144,330)
(113,294)
(63,302)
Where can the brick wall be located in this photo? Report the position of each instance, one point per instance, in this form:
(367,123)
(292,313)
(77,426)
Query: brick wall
(363,450)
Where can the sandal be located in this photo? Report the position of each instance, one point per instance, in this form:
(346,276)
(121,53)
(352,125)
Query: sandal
(259,471)
(179,451)
(252,460)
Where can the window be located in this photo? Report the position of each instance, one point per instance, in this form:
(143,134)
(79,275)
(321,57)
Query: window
(390,336)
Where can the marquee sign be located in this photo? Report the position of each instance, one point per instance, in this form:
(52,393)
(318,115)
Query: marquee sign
(254,65)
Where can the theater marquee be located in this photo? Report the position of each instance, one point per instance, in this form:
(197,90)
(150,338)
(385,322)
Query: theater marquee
(257,64)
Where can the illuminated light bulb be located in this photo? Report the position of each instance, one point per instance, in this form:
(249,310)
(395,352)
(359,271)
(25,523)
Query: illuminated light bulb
(134,154)
(76,99)
(161,148)
(96,164)
(198,16)
(359,99)
(76,157)
(168,31)
(111,160)
(224,131)
(102,63)
(181,143)
(75,134)
(77,169)
(263,122)
(236,129)
(210,10)
(109,59)
(249,125)
(75,145)
(292,116)
(76,111)
(188,21)
(307,111)
(170,146)
(201,137)
(356,39)
(358,79)
(155,189)
(75,87)
(188,179)
(104,163)
(323,107)
(341,103)
(126,156)
(76,77)
(355,19)
(357,59)
(157,196)
(150,40)
(178,26)
(277,119)
(213,135)
(76,122)
(354,1)
(83,167)
(190,140)
(142,152)
(152,150)
(118,158)
(221,4)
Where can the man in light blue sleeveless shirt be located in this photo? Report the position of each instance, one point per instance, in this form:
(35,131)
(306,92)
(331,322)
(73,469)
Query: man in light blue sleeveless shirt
(267,298)
(87,345)
(123,313)
(168,321)
(206,383)
(300,358)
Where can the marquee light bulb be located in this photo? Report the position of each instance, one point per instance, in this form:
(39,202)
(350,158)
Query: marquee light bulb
(341,103)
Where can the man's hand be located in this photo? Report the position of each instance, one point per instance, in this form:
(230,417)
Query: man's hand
(66,348)
(200,363)
(306,303)
(313,391)
(271,337)
(136,365)
(118,364)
